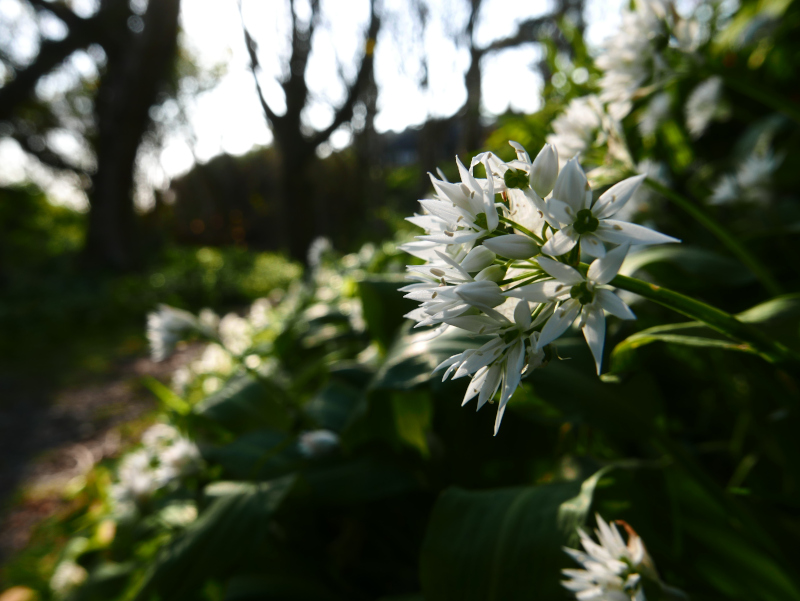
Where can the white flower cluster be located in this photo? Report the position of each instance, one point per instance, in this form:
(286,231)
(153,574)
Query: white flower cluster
(486,271)
(635,55)
(613,570)
(165,456)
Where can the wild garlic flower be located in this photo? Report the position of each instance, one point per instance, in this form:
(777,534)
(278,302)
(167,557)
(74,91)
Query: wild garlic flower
(67,576)
(317,443)
(236,333)
(752,181)
(164,456)
(613,570)
(165,328)
(704,105)
(578,219)
(576,129)
(486,272)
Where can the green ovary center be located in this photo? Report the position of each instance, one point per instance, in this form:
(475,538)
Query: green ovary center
(585,222)
(582,293)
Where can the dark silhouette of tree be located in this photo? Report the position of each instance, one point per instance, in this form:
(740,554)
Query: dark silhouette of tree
(528,31)
(139,53)
(296,147)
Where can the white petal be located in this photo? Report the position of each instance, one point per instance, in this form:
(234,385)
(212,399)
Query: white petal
(467,178)
(475,385)
(513,374)
(477,259)
(544,170)
(561,242)
(559,322)
(540,292)
(480,324)
(490,385)
(571,185)
(613,304)
(522,315)
(613,199)
(561,212)
(592,246)
(602,271)
(513,246)
(594,330)
(560,271)
(622,232)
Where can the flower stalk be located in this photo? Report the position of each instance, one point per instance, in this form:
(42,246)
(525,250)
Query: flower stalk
(727,239)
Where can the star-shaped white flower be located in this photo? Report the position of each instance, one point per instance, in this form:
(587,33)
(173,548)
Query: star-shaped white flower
(579,296)
(570,210)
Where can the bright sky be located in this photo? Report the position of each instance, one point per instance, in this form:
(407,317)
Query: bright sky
(228,117)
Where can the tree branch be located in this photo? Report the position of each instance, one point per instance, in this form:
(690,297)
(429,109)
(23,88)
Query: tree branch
(252,51)
(345,112)
(527,31)
(46,156)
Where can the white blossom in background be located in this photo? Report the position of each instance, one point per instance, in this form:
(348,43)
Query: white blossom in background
(236,333)
(704,105)
(752,181)
(214,360)
(613,570)
(577,127)
(318,443)
(656,111)
(631,57)
(165,328)
(486,272)
(317,249)
(67,576)
(164,456)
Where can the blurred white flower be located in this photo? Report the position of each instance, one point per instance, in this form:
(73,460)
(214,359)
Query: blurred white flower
(67,576)
(214,360)
(317,250)
(236,333)
(613,569)
(654,114)
(181,378)
(631,57)
(317,443)
(260,314)
(208,320)
(576,128)
(703,105)
(165,328)
(752,181)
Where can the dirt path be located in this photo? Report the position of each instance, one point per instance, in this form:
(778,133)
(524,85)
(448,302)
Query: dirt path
(48,438)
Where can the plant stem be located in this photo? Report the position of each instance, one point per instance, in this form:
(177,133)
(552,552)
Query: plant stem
(717,319)
(722,235)
(524,230)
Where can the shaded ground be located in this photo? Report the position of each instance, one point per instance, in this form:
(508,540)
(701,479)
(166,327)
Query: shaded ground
(50,435)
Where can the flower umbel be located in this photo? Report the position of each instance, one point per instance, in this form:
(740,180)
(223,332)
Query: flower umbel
(508,270)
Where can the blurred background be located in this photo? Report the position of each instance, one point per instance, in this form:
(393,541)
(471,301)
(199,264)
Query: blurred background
(190,151)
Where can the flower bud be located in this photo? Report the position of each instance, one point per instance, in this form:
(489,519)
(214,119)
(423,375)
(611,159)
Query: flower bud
(512,246)
(571,185)
(478,294)
(478,258)
(493,273)
(544,170)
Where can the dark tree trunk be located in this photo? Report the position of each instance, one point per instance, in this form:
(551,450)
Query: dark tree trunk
(138,65)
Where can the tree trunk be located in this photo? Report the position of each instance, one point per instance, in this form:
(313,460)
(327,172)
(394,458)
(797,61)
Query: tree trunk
(137,67)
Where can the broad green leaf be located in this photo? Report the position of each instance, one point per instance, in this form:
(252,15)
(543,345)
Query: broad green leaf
(779,317)
(169,399)
(725,553)
(413,357)
(681,265)
(232,527)
(245,404)
(384,307)
(286,587)
(332,407)
(413,414)
(503,544)
(359,480)
(258,455)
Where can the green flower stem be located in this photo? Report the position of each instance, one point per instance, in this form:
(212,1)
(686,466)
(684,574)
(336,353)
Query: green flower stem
(751,338)
(722,235)
(524,230)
